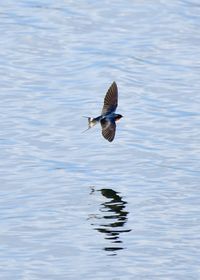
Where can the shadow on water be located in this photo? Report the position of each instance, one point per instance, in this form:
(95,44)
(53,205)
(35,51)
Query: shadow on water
(112,220)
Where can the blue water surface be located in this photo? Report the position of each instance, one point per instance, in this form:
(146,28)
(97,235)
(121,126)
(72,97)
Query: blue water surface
(72,205)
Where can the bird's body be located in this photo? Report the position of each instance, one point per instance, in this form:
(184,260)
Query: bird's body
(108,116)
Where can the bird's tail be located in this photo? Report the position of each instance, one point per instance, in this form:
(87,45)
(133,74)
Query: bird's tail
(91,122)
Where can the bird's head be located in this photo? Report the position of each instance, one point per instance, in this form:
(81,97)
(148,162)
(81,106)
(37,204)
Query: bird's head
(118,117)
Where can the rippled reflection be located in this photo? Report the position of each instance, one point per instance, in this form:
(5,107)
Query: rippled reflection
(112,220)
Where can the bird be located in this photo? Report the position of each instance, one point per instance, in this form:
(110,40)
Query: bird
(108,117)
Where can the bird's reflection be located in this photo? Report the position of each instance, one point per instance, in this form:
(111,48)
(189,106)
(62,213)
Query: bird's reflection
(112,219)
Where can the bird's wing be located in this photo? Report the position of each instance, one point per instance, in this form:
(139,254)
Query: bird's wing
(108,129)
(110,100)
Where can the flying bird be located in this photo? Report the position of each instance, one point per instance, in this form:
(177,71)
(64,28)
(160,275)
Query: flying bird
(108,116)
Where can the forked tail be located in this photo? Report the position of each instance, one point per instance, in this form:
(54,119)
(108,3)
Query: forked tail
(91,122)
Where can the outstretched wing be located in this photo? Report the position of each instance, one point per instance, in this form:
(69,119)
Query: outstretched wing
(108,129)
(110,100)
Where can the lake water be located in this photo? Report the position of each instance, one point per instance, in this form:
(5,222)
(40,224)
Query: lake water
(73,205)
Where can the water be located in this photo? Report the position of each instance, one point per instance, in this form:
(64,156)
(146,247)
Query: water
(72,205)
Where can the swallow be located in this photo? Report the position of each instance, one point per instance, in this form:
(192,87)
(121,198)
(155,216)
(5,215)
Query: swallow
(108,117)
